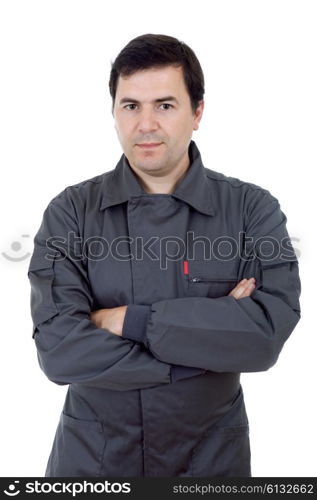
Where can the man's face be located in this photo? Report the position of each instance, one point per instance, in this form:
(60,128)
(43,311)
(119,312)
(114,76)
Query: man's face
(154,119)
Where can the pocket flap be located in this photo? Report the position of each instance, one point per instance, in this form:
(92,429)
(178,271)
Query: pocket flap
(277,261)
(41,276)
(214,269)
(42,258)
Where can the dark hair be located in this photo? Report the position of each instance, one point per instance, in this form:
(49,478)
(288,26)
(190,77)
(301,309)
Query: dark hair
(148,51)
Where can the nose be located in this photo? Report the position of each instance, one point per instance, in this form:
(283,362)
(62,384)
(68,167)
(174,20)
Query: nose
(147,121)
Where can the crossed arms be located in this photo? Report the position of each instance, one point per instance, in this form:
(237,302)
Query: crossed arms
(112,319)
(241,332)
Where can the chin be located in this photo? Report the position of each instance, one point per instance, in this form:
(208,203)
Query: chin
(148,167)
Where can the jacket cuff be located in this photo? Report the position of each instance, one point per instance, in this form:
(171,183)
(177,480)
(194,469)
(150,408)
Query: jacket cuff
(135,321)
(179,372)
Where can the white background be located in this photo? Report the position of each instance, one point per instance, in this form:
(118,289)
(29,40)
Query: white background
(259,60)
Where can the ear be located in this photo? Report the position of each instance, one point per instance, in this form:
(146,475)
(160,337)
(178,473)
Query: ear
(198,114)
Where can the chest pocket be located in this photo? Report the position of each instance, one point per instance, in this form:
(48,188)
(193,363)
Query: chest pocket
(212,278)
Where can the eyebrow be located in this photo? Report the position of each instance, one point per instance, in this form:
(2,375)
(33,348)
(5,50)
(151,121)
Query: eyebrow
(161,99)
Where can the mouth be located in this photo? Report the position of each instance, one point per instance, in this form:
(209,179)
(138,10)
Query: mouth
(149,145)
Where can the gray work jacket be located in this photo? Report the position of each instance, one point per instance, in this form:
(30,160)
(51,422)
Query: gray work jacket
(164,399)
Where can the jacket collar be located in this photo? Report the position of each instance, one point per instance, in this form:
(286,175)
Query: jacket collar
(194,188)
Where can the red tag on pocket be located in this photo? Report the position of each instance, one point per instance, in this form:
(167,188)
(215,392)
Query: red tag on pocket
(185,266)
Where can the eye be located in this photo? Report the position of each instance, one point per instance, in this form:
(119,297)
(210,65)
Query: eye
(166,106)
(130,106)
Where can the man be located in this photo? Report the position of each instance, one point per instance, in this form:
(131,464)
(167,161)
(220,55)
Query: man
(155,284)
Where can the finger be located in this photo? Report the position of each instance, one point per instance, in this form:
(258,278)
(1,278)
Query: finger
(243,289)
(238,288)
(249,287)
(248,290)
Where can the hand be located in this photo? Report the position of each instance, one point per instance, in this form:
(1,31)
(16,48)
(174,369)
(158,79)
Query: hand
(110,319)
(243,289)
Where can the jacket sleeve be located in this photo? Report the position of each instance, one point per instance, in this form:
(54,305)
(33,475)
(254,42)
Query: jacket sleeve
(134,327)
(228,335)
(70,348)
